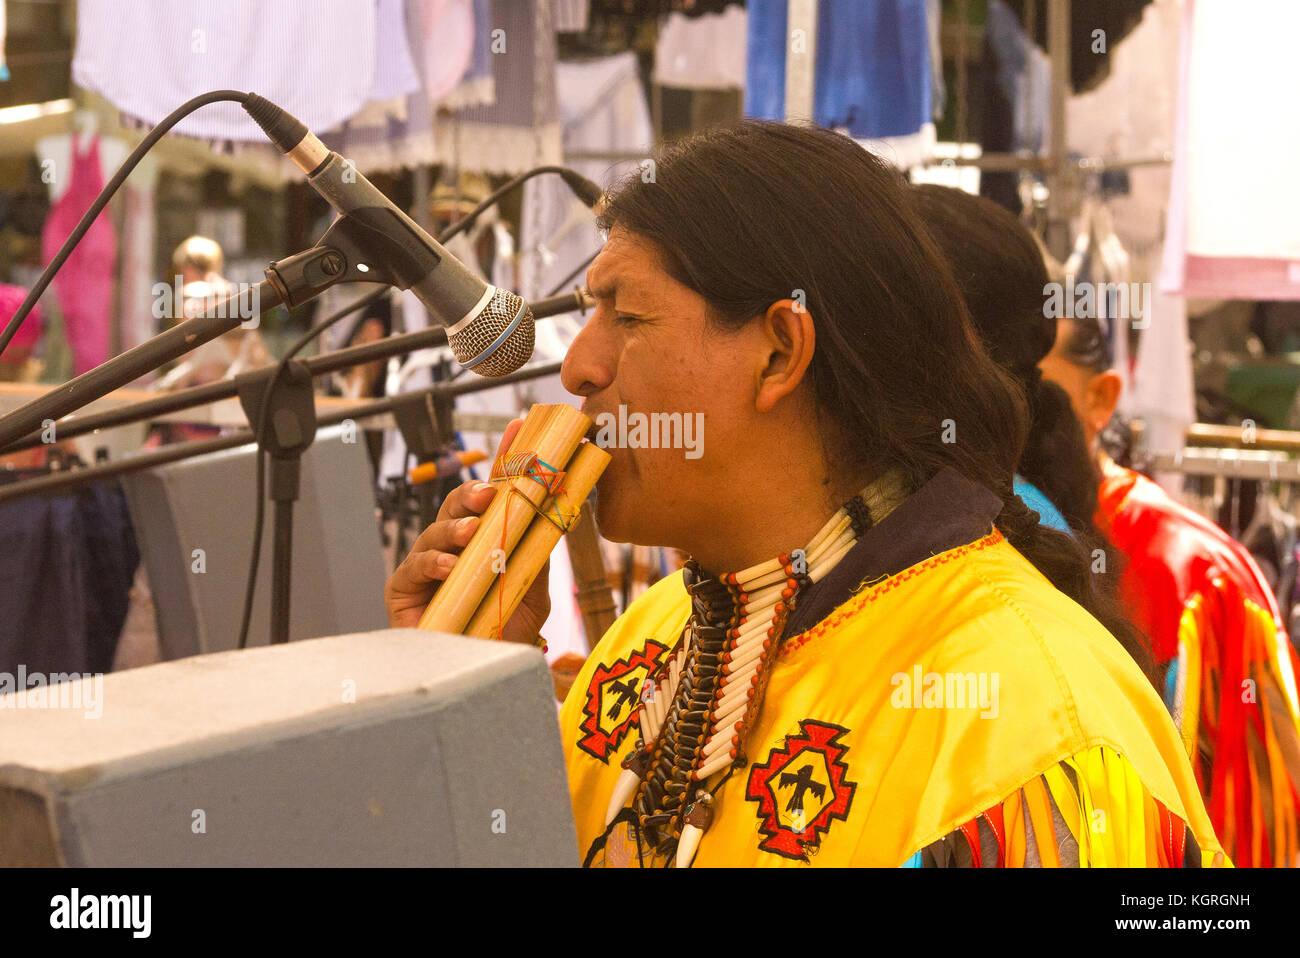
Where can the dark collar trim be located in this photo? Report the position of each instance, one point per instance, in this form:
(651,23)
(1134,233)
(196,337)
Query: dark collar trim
(948,511)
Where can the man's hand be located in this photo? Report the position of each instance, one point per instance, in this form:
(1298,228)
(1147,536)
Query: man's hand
(435,552)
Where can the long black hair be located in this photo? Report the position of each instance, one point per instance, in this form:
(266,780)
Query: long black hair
(1003,278)
(749,214)
(1000,271)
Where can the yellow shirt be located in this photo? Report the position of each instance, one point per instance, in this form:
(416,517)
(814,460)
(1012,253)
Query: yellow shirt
(965,688)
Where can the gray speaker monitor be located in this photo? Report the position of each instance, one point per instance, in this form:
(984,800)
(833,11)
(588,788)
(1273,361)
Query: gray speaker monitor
(194,523)
(395,747)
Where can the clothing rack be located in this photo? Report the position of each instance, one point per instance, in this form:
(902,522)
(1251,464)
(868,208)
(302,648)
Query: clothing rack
(1237,452)
(1060,170)
(1228,463)
(1239,437)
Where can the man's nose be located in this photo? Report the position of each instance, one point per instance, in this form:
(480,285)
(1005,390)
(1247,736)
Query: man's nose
(586,369)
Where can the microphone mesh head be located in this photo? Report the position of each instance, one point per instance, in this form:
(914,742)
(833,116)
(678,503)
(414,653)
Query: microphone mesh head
(486,328)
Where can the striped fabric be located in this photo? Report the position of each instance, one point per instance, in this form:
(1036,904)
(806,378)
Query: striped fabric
(571,15)
(316,59)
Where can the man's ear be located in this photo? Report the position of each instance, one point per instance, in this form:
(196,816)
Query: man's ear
(789,338)
(1102,398)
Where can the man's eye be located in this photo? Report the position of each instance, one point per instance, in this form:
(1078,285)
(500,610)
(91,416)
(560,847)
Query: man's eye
(622,318)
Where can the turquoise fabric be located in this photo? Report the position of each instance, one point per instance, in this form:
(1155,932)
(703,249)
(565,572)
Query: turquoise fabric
(1048,514)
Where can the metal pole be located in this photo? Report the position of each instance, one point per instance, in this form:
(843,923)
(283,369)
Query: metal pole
(1058,180)
(963,63)
(800,61)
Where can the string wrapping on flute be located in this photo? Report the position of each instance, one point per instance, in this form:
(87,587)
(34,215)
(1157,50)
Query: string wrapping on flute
(528,465)
(525,465)
(546,459)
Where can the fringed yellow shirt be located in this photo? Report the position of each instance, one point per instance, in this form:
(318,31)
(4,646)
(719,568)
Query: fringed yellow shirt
(940,704)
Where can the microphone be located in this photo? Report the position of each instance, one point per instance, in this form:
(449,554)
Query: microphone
(490,330)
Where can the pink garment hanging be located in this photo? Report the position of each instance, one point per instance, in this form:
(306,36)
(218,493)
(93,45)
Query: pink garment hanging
(11,297)
(84,286)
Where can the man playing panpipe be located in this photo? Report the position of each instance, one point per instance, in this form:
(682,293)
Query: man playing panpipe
(875,656)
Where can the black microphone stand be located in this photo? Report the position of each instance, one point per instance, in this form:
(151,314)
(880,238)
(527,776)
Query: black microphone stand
(284,408)
(320,364)
(337,258)
(57,482)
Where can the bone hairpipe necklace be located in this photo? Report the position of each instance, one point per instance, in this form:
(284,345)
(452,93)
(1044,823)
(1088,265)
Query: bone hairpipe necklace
(697,705)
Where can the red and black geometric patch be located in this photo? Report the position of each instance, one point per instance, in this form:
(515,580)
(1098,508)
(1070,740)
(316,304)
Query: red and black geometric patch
(612,699)
(801,789)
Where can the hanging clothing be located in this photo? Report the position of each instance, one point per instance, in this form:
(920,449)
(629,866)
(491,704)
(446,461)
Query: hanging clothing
(934,28)
(846,766)
(603,109)
(1235,201)
(29,333)
(571,15)
(1229,669)
(521,129)
(872,69)
(67,562)
(447,44)
(316,60)
(389,135)
(1024,75)
(395,73)
(702,53)
(84,285)
(477,87)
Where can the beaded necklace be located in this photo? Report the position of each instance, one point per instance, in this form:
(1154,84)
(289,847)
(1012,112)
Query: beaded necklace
(695,708)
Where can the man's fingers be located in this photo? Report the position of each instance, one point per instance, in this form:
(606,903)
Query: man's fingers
(508,436)
(436,549)
(467,499)
(447,535)
(420,569)
(471,498)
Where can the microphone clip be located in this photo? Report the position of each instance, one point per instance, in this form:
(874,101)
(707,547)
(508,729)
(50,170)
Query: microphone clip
(359,247)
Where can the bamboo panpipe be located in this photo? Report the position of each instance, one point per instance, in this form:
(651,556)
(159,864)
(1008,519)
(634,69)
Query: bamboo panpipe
(590,580)
(527,559)
(551,433)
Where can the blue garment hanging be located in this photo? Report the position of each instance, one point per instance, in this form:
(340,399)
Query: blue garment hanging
(873,65)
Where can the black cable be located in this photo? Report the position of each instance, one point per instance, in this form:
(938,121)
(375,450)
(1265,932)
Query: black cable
(250,587)
(106,194)
(578,269)
(586,191)
(580,185)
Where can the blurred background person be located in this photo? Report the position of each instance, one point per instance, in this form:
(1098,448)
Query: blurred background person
(198,264)
(999,267)
(1225,664)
